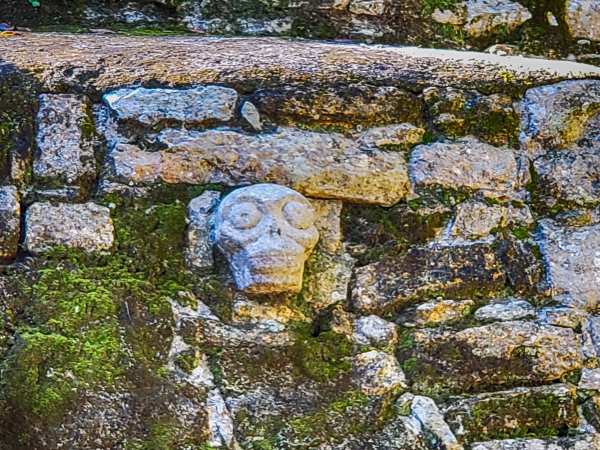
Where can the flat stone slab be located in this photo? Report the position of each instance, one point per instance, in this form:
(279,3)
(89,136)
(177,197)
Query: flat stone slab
(572,259)
(187,106)
(86,226)
(317,165)
(114,61)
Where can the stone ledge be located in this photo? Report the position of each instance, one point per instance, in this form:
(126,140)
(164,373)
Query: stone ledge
(95,63)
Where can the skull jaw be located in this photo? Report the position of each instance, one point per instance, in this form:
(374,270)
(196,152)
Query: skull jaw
(259,276)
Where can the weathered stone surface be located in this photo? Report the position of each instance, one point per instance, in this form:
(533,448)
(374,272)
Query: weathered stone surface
(484,17)
(377,373)
(315,164)
(200,212)
(266,232)
(10,222)
(87,226)
(475,219)
(583,19)
(583,442)
(328,222)
(507,309)
(555,116)
(562,317)
(570,177)
(591,340)
(590,379)
(468,165)
(110,62)
(518,412)
(375,331)
(442,311)
(193,106)
(456,270)
(572,263)
(403,135)
(437,432)
(368,7)
(63,152)
(344,106)
(496,355)
(327,278)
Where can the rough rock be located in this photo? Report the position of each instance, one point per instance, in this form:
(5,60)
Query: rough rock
(518,412)
(457,112)
(555,116)
(475,219)
(266,232)
(572,264)
(328,222)
(583,442)
(346,106)
(483,17)
(562,317)
(315,164)
(200,212)
(468,165)
(377,373)
(403,135)
(63,152)
(507,309)
(591,340)
(441,312)
(583,19)
(375,331)
(491,356)
(437,432)
(193,106)
(220,421)
(10,222)
(368,7)
(455,270)
(570,177)
(590,379)
(86,226)
(327,278)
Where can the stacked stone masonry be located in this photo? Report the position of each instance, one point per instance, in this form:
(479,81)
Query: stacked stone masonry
(186,269)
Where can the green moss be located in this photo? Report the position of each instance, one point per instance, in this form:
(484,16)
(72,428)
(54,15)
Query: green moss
(324,357)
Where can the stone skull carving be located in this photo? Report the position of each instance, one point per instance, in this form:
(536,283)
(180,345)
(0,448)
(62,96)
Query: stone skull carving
(266,232)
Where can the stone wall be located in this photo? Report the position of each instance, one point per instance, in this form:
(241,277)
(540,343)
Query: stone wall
(450,302)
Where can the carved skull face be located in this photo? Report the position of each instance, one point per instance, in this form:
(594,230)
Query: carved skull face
(266,232)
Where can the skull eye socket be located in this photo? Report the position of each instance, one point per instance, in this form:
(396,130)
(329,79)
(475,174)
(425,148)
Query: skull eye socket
(244,215)
(298,215)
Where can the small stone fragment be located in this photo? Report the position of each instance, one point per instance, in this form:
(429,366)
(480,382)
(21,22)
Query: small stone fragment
(562,317)
(220,423)
(200,211)
(327,278)
(188,106)
(377,373)
(252,116)
(572,263)
(468,165)
(508,309)
(437,431)
(328,222)
(375,331)
(485,17)
(63,152)
(10,222)
(86,226)
(404,136)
